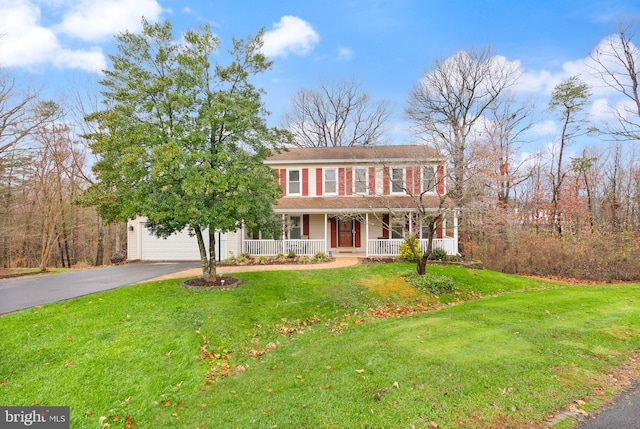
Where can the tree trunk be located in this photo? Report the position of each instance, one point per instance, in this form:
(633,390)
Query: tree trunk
(208,262)
(100,247)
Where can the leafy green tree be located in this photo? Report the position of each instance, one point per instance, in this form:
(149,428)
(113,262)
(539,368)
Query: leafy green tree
(181,140)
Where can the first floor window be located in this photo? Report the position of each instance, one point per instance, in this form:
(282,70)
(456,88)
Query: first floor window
(295,228)
(397,229)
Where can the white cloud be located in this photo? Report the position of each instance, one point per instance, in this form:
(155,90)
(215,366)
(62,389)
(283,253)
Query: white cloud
(95,20)
(92,60)
(26,42)
(290,35)
(540,81)
(23,41)
(543,128)
(345,53)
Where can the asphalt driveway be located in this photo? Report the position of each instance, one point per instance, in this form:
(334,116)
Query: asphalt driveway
(26,292)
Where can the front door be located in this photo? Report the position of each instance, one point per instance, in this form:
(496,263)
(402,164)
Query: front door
(345,233)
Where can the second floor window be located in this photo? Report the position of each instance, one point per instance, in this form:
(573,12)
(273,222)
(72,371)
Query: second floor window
(360,180)
(330,181)
(397,180)
(428,179)
(294,182)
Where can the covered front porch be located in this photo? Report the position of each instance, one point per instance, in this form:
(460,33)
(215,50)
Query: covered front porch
(369,234)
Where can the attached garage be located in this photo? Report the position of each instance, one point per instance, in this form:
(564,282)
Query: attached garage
(143,245)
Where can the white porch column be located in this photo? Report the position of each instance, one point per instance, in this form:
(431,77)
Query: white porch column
(284,225)
(326,248)
(241,237)
(366,239)
(455,229)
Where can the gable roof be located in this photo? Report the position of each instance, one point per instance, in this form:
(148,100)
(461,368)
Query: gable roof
(397,153)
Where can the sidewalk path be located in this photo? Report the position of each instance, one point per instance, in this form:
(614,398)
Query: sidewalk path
(343,261)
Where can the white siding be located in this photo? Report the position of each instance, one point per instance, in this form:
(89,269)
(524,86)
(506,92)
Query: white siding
(141,244)
(316,227)
(177,247)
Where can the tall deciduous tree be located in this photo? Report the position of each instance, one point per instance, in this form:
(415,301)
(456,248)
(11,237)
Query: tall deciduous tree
(182,141)
(337,113)
(448,103)
(567,101)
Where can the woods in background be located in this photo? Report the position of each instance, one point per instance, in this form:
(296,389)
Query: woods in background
(571,208)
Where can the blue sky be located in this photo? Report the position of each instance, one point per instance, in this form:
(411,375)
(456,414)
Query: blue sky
(388,45)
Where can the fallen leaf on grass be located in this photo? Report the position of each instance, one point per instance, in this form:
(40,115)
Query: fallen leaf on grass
(359,371)
(299,377)
(71,338)
(68,363)
(396,385)
(434,425)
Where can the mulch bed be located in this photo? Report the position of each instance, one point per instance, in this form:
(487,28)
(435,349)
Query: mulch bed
(221,282)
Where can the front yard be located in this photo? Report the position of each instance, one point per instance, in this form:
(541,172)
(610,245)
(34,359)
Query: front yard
(353,347)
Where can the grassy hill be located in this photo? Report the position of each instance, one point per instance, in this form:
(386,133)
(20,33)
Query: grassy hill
(355,347)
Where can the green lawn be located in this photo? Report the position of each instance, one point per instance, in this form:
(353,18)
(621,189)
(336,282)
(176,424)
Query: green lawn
(303,349)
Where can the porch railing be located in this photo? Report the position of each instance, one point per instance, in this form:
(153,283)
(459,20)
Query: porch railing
(273,247)
(391,247)
(379,247)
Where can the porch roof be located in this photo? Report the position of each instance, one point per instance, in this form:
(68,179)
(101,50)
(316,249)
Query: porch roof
(349,204)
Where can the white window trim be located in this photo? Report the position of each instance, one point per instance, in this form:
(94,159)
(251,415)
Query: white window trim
(299,193)
(366,181)
(324,181)
(391,181)
(434,189)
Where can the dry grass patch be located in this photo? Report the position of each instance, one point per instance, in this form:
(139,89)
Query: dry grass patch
(391,287)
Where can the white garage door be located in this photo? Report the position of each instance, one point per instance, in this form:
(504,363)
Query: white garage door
(177,247)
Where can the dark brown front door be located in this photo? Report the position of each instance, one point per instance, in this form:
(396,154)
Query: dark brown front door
(345,233)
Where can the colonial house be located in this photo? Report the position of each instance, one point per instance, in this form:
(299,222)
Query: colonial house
(358,200)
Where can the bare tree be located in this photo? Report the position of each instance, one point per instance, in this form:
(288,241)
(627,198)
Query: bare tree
(336,114)
(617,63)
(504,133)
(448,103)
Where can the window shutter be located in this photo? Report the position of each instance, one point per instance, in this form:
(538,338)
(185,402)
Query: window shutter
(341,181)
(305,225)
(318,181)
(372,180)
(440,178)
(305,182)
(349,181)
(409,185)
(385,181)
(334,233)
(385,226)
(283,180)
